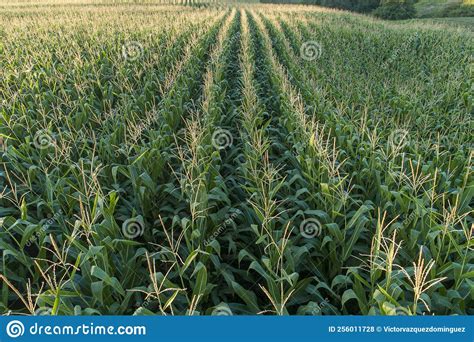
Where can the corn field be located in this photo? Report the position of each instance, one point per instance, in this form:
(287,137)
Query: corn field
(233,159)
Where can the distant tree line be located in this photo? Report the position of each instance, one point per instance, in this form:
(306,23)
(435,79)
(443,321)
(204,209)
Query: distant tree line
(387,9)
(363,6)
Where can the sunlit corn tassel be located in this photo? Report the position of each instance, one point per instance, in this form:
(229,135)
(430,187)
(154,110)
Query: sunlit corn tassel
(419,281)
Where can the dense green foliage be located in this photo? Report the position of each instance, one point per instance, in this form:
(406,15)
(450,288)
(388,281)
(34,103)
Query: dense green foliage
(465,22)
(458,10)
(395,10)
(363,6)
(261,159)
(444,8)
